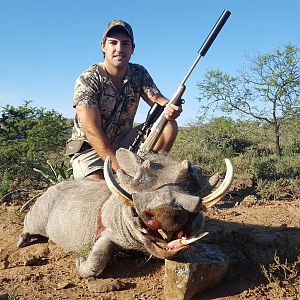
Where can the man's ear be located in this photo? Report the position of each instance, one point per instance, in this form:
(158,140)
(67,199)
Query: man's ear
(102,45)
(133,46)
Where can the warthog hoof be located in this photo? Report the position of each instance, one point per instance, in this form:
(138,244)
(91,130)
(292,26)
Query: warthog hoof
(23,240)
(84,268)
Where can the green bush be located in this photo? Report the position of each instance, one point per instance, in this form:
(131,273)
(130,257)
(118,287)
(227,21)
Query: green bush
(278,189)
(250,150)
(208,144)
(29,136)
(5,184)
(273,167)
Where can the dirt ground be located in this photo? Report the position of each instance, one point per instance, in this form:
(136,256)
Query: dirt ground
(249,234)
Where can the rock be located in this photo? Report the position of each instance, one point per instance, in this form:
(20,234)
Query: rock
(64,285)
(4,264)
(105,285)
(30,255)
(249,201)
(199,268)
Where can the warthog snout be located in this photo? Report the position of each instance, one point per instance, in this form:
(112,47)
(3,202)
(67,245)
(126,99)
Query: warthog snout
(165,219)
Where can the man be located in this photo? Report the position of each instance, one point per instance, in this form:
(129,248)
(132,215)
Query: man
(106,98)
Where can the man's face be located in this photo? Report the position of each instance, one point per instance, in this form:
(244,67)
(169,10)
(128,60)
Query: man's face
(117,49)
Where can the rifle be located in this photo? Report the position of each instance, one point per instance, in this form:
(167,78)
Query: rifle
(156,120)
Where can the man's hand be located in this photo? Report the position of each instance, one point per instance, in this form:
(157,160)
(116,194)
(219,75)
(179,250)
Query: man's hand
(173,111)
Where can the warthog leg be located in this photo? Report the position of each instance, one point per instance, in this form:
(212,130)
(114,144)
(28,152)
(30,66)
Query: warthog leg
(98,258)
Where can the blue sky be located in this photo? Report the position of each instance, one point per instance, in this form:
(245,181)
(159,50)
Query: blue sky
(46,44)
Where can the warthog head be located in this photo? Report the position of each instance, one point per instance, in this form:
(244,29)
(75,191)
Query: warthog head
(166,199)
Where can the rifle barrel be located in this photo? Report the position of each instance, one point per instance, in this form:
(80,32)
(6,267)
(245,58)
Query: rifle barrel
(214,32)
(208,42)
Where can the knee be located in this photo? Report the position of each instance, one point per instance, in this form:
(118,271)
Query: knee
(171,129)
(167,138)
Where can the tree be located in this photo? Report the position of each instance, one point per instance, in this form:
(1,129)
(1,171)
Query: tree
(267,90)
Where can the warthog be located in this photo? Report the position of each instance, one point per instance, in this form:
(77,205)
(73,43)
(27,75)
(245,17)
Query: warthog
(155,205)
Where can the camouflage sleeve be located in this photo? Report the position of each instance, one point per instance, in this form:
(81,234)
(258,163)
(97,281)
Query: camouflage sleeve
(149,88)
(86,91)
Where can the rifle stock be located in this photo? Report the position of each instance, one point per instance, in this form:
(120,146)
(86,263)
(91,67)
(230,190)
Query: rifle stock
(159,124)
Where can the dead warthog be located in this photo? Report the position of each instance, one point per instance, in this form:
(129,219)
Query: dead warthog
(155,205)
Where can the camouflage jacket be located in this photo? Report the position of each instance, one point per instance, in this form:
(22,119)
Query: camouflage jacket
(95,89)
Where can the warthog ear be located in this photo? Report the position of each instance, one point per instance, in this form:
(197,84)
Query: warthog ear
(204,184)
(128,161)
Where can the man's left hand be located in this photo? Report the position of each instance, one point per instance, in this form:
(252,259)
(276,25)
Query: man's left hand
(173,111)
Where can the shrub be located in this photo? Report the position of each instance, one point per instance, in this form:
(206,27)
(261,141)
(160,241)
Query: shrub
(281,271)
(248,147)
(29,136)
(5,185)
(278,189)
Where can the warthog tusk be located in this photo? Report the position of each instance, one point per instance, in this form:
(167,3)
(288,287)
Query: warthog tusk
(185,241)
(114,187)
(221,191)
(162,233)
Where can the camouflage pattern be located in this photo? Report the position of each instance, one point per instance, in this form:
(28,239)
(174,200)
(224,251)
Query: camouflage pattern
(117,108)
(118,23)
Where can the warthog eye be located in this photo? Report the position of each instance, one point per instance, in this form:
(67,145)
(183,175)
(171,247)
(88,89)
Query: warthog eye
(149,216)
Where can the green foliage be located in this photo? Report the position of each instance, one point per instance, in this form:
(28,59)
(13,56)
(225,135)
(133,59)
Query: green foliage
(270,190)
(58,173)
(284,167)
(36,130)
(208,144)
(224,134)
(5,185)
(290,135)
(253,156)
(265,167)
(278,189)
(29,136)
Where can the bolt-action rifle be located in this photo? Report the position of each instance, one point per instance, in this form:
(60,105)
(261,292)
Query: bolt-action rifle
(156,120)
